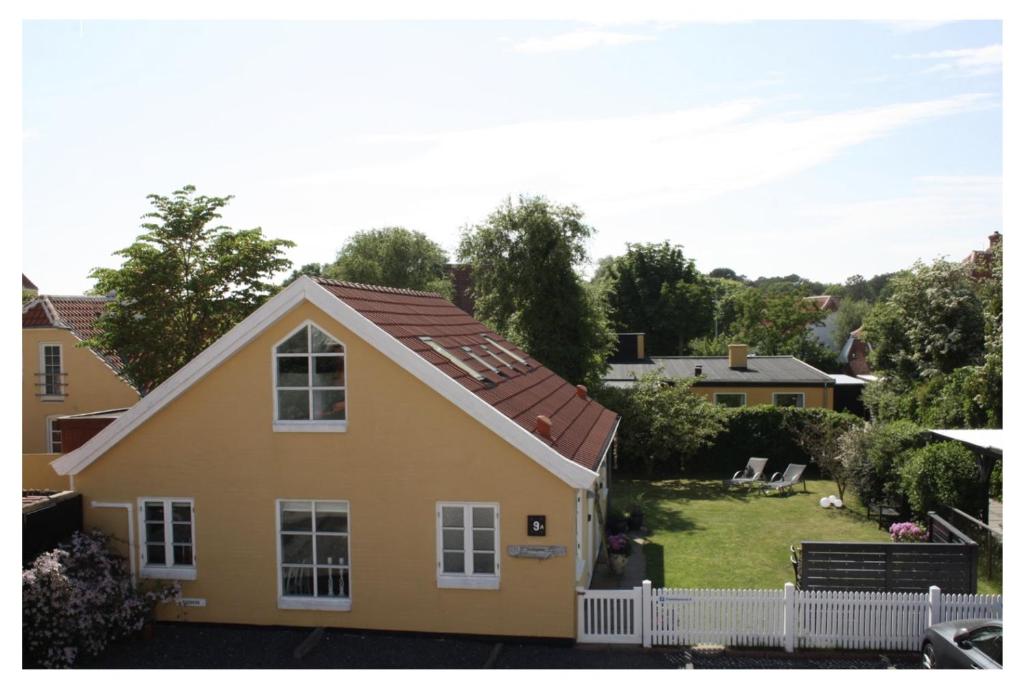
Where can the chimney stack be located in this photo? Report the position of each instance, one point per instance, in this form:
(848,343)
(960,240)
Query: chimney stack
(737,357)
(544,426)
(581,392)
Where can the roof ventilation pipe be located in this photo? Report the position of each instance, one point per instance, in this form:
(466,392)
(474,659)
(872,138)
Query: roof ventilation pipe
(581,392)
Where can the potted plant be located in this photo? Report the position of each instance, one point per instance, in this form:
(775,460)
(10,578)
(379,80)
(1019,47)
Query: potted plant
(907,532)
(619,547)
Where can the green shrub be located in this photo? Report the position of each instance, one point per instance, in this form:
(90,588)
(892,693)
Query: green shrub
(874,455)
(938,474)
(995,482)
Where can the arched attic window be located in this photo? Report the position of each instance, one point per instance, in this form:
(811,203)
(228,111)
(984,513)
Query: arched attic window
(309,382)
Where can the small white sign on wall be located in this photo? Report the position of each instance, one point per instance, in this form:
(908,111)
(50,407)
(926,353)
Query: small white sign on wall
(192,602)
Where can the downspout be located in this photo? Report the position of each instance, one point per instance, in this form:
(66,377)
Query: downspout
(131,530)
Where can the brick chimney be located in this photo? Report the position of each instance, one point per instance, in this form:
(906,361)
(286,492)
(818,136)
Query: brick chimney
(737,357)
(544,426)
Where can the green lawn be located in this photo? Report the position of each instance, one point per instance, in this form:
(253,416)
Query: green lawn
(705,536)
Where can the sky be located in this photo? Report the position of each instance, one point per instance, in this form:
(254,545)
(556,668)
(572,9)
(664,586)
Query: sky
(826,149)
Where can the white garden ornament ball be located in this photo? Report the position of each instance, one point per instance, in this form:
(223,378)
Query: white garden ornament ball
(825,502)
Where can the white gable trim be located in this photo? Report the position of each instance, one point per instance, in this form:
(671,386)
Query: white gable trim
(305,289)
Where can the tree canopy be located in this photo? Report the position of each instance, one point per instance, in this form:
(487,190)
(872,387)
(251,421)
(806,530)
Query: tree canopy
(392,257)
(182,284)
(657,290)
(525,257)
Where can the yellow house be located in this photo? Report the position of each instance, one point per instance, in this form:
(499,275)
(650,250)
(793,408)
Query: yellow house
(59,378)
(735,380)
(363,457)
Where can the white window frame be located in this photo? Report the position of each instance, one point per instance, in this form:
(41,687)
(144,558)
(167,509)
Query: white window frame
(468,579)
(802,397)
(59,395)
(168,571)
(312,425)
(742,395)
(309,602)
(581,562)
(50,429)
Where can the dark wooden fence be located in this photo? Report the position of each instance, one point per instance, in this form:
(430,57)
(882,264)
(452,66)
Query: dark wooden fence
(949,561)
(45,525)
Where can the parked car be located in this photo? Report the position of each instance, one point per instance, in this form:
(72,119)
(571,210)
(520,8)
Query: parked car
(968,644)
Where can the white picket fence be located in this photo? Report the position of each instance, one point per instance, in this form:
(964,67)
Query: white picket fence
(785,618)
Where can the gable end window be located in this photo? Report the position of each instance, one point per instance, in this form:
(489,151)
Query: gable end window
(309,382)
(51,372)
(313,555)
(468,543)
(167,532)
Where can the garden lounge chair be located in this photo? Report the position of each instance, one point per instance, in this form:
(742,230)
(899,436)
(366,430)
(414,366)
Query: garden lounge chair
(793,475)
(748,475)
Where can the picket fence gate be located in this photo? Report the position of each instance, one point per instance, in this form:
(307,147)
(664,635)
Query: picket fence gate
(785,618)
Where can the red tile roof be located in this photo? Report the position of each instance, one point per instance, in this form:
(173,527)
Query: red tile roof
(75,313)
(581,429)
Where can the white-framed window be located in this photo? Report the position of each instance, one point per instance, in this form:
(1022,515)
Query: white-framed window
(313,568)
(788,399)
(53,441)
(731,399)
(468,545)
(309,381)
(51,371)
(168,538)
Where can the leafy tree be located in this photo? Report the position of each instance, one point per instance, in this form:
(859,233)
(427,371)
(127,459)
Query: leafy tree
(525,257)
(849,317)
(873,455)
(663,424)
(776,322)
(655,289)
(932,323)
(310,269)
(789,284)
(183,284)
(709,346)
(393,257)
(822,439)
(942,473)
(725,273)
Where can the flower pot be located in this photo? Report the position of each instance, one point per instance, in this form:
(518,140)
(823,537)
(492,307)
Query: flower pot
(617,563)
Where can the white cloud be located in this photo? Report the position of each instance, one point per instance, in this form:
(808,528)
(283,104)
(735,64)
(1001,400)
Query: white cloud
(578,40)
(985,60)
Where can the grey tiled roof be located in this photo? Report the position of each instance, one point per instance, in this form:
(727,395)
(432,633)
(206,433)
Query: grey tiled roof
(766,370)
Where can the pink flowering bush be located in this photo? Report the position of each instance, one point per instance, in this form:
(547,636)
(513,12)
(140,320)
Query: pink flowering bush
(79,598)
(907,532)
(619,544)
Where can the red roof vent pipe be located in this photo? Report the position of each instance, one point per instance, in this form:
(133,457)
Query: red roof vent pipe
(544,426)
(581,392)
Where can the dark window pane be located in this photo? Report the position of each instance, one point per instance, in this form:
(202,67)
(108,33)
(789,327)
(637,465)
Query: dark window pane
(183,555)
(296,516)
(181,511)
(324,343)
(297,343)
(331,549)
(293,372)
(454,563)
(332,583)
(483,539)
(155,555)
(296,580)
(328,371)
(483,517)
(331,518)
(483,562)
(154,532)
(154,511)
(451,516)
(182,532)
(454,539)
(293,405)
(296,549)
(328,404)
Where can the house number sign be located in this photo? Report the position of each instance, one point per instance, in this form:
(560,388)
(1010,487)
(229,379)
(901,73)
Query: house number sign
(536,526)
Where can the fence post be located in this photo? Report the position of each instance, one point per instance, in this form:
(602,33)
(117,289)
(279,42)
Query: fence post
(646,619)
(789,618)
(934,605)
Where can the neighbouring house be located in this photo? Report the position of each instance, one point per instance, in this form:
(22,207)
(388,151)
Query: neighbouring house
(28,286)
(978,263)
(59,377)
(735,380)
(824,332)
(854,354)
(361,457)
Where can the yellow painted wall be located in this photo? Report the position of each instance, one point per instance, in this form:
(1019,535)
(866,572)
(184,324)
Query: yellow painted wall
(91,385)
(36,472)
(762,395)
(406,448)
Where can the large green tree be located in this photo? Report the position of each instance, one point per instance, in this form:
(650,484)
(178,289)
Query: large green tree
(393,257)
(657,290)
(183,283)
(776,321)
(525,258)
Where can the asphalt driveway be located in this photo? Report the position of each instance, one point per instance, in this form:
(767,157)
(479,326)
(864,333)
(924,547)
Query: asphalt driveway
(216,646)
